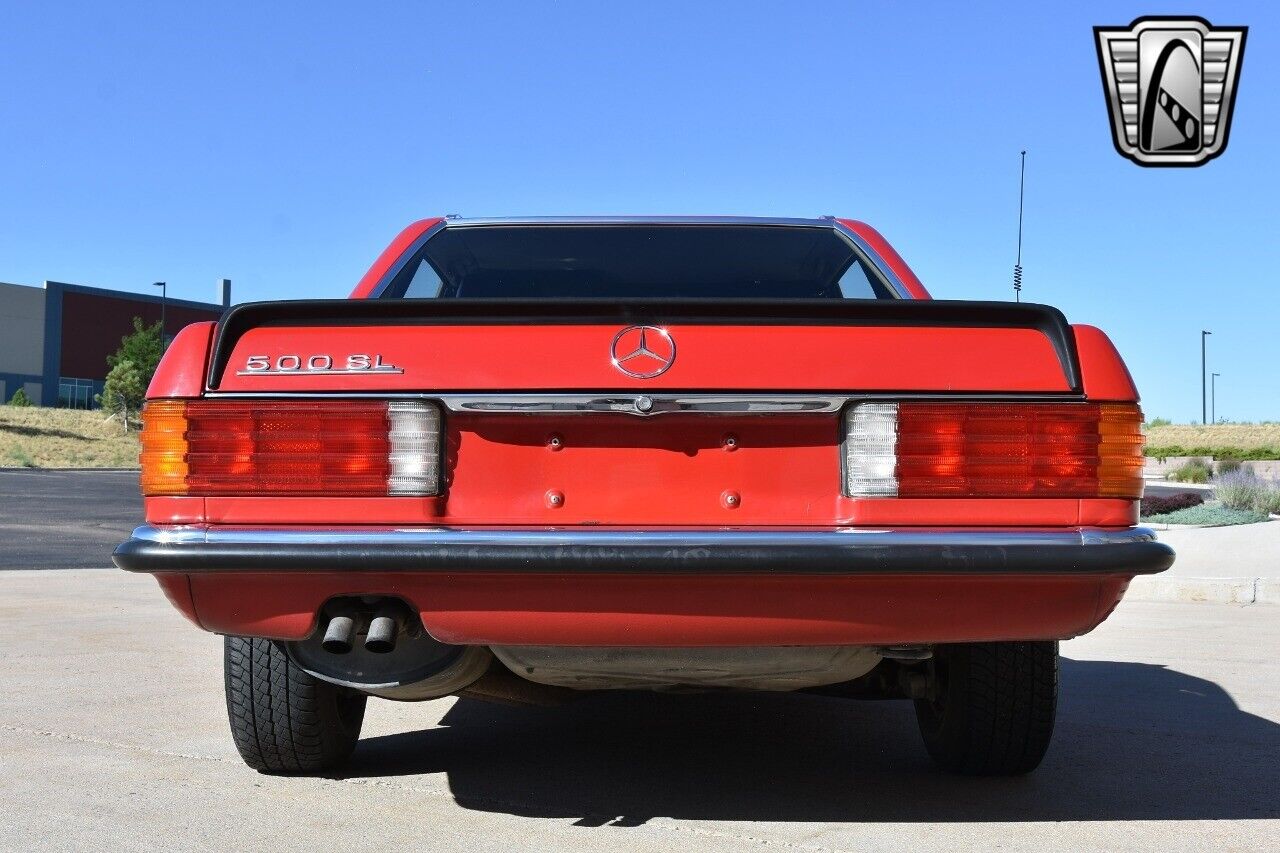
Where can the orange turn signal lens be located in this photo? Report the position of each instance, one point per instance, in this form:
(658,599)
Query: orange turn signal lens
(164,448)
(1120,446)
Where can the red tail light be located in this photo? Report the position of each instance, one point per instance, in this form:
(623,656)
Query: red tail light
(338,448)
(1062,450)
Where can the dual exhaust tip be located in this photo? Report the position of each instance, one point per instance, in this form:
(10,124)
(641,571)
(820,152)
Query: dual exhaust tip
(380,638)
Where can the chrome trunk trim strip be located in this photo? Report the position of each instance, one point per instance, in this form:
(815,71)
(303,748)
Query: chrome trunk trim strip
(648,405)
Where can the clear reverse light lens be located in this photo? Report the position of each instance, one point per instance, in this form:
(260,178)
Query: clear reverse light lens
(414,452)
(871,450)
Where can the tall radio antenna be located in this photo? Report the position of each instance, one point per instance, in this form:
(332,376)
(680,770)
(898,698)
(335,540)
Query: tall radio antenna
(1017,267)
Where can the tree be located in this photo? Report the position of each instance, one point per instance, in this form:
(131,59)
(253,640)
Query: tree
(20,398)
(142,348)
(123,391)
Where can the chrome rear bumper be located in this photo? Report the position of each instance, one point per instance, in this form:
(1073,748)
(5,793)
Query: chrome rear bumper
(839,551)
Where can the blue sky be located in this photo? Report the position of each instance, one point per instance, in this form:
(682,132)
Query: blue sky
(283,145)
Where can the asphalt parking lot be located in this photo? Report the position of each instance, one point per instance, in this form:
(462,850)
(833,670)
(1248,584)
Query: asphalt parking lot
(113,736)
(53,519)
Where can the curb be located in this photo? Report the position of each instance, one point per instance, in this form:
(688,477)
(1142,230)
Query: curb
(1207,590)
(1174,484)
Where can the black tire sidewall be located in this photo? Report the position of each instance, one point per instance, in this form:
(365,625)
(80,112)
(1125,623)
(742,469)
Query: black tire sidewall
(994,708)
(284,720)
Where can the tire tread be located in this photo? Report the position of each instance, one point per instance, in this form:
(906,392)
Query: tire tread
(282,719)
(998,709)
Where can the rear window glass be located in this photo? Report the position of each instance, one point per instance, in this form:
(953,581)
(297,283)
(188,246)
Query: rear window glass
(637,262)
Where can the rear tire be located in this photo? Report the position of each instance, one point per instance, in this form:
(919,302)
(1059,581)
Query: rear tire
(282,719)
(992,707)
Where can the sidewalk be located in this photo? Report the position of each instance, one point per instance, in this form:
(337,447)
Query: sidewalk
(1224,565)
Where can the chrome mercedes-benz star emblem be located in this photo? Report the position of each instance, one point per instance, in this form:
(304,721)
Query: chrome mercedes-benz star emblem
(643,352)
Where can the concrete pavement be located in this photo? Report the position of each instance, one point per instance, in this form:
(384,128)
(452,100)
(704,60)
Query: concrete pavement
(113,736)
(1239,564)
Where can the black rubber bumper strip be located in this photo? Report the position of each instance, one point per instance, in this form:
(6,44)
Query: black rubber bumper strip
(824,553)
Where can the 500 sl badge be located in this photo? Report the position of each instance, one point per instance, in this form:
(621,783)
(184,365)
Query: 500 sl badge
(320,364)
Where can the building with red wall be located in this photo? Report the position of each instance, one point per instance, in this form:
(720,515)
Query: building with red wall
(70,332)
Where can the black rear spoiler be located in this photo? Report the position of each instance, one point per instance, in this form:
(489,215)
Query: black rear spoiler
(1047,320)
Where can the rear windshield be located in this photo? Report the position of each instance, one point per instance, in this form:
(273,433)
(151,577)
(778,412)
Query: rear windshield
(637,262)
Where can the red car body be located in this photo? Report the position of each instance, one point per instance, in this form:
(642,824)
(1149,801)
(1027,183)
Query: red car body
(705,506)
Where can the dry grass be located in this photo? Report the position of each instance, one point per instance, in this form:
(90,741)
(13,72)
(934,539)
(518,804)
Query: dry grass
(36,437)
(1239,436)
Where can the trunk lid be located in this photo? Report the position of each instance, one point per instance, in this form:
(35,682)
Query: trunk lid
(458,345)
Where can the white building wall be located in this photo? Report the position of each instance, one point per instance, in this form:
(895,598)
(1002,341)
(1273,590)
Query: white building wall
(21,330)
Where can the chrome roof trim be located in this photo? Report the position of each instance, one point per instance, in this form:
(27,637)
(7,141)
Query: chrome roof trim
(860,246)
(792,222)
(405,256)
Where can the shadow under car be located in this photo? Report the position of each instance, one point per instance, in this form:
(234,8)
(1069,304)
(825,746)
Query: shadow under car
(1134,741)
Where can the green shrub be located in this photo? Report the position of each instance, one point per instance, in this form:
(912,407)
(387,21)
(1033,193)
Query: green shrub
(1155,422)
(1193,471)
(1253,453)
(1269,501)
(1242,490)
(1226,466)
(1239,490)
(123,392)
(20,398)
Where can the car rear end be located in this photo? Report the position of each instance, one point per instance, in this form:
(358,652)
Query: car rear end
(639,453)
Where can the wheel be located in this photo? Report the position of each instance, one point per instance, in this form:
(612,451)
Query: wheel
(991,706)
(282,719)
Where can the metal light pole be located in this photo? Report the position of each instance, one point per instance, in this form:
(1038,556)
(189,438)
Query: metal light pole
(1204,396)
(164,291)
(1213,397)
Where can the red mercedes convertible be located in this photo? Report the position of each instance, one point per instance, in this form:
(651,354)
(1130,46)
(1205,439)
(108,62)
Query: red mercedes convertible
(535,456)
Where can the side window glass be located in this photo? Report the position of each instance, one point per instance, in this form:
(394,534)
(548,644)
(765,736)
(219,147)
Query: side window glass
(857,283)
(425,283)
